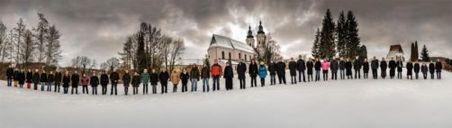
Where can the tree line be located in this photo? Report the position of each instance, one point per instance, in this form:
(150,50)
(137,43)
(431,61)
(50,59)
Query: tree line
(23,45)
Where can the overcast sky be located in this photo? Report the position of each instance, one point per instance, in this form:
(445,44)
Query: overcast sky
(97,28)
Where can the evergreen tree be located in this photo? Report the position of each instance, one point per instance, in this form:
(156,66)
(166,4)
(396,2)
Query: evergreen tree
(416,51)
(315,47)
(341,35)
(425,54)
(41,33)
(141,56)
(353,44)
(27,47)
(327,45)
(53,50)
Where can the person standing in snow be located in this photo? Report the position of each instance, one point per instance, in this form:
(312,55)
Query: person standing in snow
(262,73)
(282,72)
(272,70)
(293,71)
(374,67)
(325,66)
(184,76)
(58,78)
(194,78)
(175,78)
(241,70)
(16,77)
(431,68)
(409,70)
(348,69)
(163,77)
(228,76)
(29,78)
(104,82)
(36,79)
(126,81)
(301,67)
(317,67)
(43,80)
(253,73)
(216,71)
(154,79)
(136,82)
(145,81)
(424,70)
(50,81)
(342,68)
(392,67)
(10,75)
(85,81)
(75,79)
(66,81)
(114,79)
(383,67)
(439,67)
(334,66)
(416,68)
(309,66)
(21,78)
(365,69)
(205,75)
(357,64)
(399,68)
(94,82)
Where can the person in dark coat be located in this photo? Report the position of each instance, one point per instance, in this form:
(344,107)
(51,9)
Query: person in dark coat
(164,77)
(154,79)
(348,69)
(357,64)
(374,66)
(205,75)
(416,68)
(424,70)
(104,82)
(431,68)
(84,81)
(409,70)
(281,72)
(438,67)
(194,77)
(43,80)
(136,79)
(334,67)
(10,75)
(241,70)
(309,66)
(293,71)
(184,76)
(114,79)
(342,68)
(21,78)
(365,69)
(94,82)
(75,79)
(317,67)
(66,82)
(399,69)
(253,73)
(301,67)
(29,78)
(392,67)
(58,79)
(16,77)
(126,81)
(228,76)
(50,81)
(383,67)
(272,70)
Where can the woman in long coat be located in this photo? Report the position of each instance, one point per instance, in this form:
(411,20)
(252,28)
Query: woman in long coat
(175,79)
(228,75)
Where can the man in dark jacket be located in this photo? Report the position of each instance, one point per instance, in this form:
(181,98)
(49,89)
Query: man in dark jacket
(94,82)
(383,67)
(50,81)
(374,66)
(293,71)
(439,67)
(21,78)
(253,73)
(392,68)
(10,75)
(154,79)
(272,70)
(342,68)
(75,79)
(416,68)
(228,76)
(424,70)
(309,66)
(43,80)
(205,75)
(194,77)
(163,77)
(58,79)
(317,66)
(136,79)
(431,68)
(357,64)
(29,78)
(126,81)
(281,71)
(409,70)
(399,68)
(301,67)
(114,78)
(66,82)
(241,70)
(334,67)
(348,69)
(104,82)
(365,69)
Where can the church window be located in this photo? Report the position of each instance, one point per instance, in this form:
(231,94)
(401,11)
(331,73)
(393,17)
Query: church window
(222,54)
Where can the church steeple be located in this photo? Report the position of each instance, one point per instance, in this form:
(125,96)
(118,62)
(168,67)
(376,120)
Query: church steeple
(250,33)
(261,29)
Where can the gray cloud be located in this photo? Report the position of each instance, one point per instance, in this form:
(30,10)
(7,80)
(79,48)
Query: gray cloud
(98,28)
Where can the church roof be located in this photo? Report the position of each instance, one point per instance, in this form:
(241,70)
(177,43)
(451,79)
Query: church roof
(396,48)
(226,42)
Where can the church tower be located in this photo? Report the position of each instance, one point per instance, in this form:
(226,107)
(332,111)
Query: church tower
(250,38)
(260,35)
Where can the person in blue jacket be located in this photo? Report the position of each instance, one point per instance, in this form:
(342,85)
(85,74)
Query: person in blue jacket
(262,71)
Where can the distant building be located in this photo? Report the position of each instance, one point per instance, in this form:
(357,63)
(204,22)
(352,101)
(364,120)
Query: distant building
(224,48)
(395,52)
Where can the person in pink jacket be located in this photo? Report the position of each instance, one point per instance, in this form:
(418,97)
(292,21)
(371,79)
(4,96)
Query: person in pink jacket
(85,81)
(325,67)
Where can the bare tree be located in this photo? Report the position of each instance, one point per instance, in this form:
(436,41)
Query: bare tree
(53,52)
(17,36)
(82,62)
(41,33)
(176,49)
(3,41)
(27,47)
(110,64)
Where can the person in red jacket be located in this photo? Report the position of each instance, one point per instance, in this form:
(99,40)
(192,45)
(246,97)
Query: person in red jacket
(85,81)
(216,71)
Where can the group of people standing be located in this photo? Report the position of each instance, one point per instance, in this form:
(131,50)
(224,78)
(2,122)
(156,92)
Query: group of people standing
(344,67)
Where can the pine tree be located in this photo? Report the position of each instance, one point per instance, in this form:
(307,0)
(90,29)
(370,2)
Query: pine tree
(141,57)
(341,35)
(425,54)
(416,51)
(352,36)
(41,33)
(27,47)
(327,45)
(53,49)
(315,47)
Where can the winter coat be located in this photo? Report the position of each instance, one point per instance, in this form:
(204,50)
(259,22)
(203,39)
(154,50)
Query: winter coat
(21,78)
(334,65)
(374,64)
(205,72)
(16,75)
(104,80)
(126,79)
(94,81)
(262,71)
(175,77)
(342,65)
(241,70)
(409,67)
(84,81)
(58,77)
(154,78)
(50,78)
(136,80)
(325,65)
(392,65)
(184,76)
(29,77)
(228,73)
(10,73)
(348,68)
(416,68)
(424,69)
(194,73)
(216,70)
(383,65)
(438,66)
(66,80)
(431,68)
(281,68)
(43,77)
(357,65)
(114,77)
(399,66)
(317,65)
(163,77)
(309,65)
(252,70)
(145,78)
(272,68)
(75,79)
(301,66)
(293,68)
(366,67)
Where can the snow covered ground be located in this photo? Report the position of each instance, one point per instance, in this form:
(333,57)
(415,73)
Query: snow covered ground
(345,104)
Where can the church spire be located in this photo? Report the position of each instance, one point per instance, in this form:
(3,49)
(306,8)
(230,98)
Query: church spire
(250,33)
(261,29)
